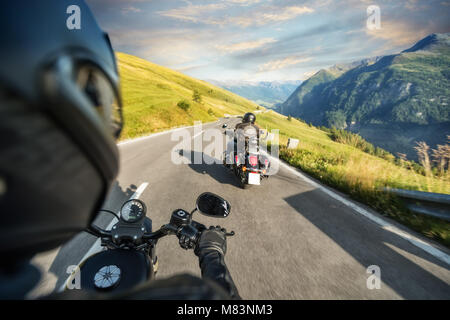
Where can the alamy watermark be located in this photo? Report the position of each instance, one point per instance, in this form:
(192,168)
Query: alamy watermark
(74,281)
(374,280)
(73,21)
(373,17)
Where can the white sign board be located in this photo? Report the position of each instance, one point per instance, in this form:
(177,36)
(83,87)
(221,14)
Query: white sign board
(292,143)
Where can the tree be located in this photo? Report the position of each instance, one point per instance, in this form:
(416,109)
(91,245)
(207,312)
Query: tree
(336,119)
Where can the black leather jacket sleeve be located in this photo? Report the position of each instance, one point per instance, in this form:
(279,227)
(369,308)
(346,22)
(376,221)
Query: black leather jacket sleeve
(213,267)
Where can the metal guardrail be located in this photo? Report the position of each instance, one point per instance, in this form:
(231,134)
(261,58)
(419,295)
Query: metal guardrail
(428,203)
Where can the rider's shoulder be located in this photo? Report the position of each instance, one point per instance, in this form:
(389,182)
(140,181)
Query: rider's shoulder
(179,287)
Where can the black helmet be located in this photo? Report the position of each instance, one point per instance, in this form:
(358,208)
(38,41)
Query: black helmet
(249,118)
(60,112)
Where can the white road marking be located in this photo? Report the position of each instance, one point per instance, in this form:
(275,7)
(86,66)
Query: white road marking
(196,135)
(96,247)
(383,223)
(139,190)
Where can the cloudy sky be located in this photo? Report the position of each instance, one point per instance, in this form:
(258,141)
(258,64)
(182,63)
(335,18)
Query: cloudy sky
(264,39)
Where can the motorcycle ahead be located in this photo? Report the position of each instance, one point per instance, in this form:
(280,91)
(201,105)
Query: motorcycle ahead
(249,165)
(129,258)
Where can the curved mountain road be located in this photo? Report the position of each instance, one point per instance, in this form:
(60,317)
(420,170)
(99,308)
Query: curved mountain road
(293,241)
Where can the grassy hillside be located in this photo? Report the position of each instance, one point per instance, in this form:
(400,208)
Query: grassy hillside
(357,173)
(151,93)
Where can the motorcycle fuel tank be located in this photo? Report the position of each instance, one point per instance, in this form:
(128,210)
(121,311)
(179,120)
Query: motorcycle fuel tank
(115,270)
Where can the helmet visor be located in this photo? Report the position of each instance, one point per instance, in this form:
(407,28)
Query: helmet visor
(96,86)
(85,101)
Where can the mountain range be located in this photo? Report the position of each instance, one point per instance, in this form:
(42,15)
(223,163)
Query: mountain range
(265,93)
(392,101)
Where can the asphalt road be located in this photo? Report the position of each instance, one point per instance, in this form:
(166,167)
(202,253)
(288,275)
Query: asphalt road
(293,241)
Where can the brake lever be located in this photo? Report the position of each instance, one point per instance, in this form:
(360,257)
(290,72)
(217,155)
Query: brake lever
(230,234)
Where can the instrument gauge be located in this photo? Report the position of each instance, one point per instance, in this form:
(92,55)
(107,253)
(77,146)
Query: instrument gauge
(133,211)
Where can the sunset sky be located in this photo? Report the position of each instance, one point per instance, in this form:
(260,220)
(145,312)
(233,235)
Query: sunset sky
(264,40)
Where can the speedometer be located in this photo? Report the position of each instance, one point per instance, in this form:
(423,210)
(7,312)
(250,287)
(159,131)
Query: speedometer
(133,211)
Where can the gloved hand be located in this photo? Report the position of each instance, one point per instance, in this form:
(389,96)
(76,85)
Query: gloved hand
(188,237)
(212,239)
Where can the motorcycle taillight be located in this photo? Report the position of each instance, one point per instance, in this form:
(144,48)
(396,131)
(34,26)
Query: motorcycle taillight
(253,160)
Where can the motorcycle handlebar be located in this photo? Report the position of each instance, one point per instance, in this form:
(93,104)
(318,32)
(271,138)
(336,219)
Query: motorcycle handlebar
(162,232)
(98,232)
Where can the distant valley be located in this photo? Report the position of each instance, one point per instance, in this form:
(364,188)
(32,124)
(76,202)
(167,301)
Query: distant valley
(265,93)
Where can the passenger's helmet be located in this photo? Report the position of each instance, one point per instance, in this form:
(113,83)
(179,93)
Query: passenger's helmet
(60,112)
(249,118)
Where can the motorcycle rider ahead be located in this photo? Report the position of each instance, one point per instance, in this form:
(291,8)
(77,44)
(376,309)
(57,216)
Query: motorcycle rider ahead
(246,136)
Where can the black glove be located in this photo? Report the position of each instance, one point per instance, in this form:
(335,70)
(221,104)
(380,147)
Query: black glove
(212,239)
(187,236)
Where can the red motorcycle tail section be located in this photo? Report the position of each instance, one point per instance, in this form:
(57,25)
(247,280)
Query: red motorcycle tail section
(253,160)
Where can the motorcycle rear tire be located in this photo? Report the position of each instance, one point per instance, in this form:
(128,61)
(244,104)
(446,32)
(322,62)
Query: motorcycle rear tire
(243,181)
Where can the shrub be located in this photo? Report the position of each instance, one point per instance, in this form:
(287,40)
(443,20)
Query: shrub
(355,140)
(326,129)
(183,105)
